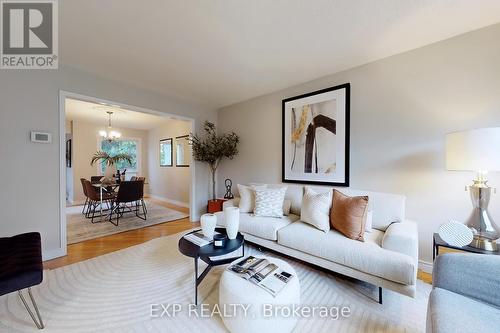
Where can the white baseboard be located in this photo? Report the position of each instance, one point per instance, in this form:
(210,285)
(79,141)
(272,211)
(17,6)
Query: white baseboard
(173,202)
(52,254)
(425,266)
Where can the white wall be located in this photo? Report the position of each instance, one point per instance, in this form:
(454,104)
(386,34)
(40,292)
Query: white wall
(171,183)
(30,187)
(401,108)
(86,142)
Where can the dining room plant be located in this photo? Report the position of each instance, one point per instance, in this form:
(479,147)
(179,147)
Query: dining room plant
(110,161)
(212,148)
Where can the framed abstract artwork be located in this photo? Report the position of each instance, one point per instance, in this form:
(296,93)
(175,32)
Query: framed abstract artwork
(315,130)
(166,153)
(68,153)
(182,151)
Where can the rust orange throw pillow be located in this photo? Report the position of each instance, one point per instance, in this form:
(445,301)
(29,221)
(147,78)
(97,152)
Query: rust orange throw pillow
(348,215)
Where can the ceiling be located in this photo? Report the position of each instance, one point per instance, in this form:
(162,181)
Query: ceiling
(122,118)
(219,52)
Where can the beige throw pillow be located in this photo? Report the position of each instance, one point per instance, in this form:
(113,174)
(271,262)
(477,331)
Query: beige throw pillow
(247,197)
(348,215)
(315,209)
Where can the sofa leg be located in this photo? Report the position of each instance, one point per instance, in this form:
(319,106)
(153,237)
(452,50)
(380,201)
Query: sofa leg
(39,323)
(380,295)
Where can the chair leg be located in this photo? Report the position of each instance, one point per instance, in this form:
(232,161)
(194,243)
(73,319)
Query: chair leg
(141,204)
(84,205)
(144,209)
(38,322)
(117,210)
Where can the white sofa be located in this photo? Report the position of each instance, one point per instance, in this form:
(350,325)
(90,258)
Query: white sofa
(388,258)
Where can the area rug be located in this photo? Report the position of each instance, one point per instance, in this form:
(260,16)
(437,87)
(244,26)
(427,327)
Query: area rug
(80,229)
(114,293)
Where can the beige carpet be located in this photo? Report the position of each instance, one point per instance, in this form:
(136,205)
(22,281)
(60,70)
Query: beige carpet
(80,228)
(114,293)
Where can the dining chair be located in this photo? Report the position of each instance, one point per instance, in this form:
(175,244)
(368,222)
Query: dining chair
(130,192)
(95,179)
(22,268)
(95,200)
(82,180)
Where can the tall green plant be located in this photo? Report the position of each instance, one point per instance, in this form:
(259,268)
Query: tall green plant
(105,158)
(212,148)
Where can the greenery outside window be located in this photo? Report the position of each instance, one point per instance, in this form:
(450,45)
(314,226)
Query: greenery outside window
(126,146)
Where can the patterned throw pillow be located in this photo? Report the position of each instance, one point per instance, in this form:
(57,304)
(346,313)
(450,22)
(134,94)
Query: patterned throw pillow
(315,209)
(247,197)
(269,202)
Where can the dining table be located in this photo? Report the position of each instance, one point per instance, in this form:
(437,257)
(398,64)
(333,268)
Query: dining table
(105,187)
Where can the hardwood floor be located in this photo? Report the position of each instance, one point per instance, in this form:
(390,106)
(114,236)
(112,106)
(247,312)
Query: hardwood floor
(102,245)
(99,246)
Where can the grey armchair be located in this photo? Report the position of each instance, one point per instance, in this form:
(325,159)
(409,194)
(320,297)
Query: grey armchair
(465,295)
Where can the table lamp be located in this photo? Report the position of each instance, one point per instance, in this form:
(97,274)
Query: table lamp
(477,150)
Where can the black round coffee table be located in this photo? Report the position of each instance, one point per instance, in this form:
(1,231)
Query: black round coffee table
(205,252)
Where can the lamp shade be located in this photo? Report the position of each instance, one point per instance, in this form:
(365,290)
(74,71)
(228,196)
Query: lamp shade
(473,150)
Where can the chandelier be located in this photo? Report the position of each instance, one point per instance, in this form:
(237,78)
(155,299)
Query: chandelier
(109,134)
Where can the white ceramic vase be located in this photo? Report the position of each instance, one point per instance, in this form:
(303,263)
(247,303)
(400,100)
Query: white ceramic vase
(208,222)
(232,218)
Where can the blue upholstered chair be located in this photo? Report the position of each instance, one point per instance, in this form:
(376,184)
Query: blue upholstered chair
(22,268)
(466,294)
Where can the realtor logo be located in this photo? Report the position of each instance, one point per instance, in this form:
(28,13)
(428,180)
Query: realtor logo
(29,34)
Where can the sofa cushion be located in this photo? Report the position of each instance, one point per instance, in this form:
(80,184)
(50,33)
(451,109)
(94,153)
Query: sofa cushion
(348,215)
(269,202)
(259,226)
(449,312)
(386,207)
(316,209)
(247,197)
(368,257)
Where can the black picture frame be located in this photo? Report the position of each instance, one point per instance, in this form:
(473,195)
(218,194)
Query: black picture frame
(171,142)
(68,153)
(183,137)
(346,174)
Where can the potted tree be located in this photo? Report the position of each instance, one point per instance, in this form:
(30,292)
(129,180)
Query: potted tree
(110,161)
(211,150)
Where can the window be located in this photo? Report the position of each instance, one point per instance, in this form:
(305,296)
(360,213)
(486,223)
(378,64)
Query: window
(125,146)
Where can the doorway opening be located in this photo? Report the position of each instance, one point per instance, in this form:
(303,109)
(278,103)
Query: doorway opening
(107,149)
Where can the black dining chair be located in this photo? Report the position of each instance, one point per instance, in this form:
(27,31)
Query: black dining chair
(130,192)
(95,179)
(22,268)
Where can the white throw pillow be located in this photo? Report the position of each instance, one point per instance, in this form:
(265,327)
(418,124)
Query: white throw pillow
(269,202)
(315,208)
(247,197)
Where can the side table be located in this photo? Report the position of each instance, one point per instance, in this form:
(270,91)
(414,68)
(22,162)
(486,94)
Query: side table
(439,242)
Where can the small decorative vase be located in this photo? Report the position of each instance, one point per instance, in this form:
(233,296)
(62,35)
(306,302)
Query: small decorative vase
(232,217)
(208,222)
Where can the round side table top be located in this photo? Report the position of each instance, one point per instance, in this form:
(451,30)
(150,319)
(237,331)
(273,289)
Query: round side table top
(192,250)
